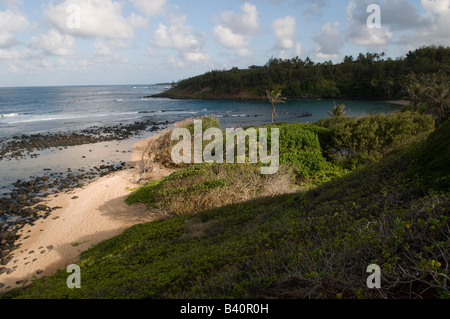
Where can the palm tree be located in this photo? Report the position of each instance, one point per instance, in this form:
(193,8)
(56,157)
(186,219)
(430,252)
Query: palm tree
(338,110)
(274,97)
(415,92)
(438,95)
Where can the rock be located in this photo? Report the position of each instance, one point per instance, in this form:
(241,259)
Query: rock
(41,207)
(7,235)
(28,211)
(22,198)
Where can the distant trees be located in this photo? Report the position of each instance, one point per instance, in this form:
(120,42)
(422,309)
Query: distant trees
(366,76)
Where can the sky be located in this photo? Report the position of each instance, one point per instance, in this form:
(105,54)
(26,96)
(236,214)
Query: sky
(109,42)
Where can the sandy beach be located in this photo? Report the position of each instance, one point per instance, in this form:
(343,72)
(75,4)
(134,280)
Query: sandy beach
(399,102)
(86,217)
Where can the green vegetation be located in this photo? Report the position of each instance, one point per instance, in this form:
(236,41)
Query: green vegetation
(365,140)
(392,211)
(338,110)
(368,76)
(430,92)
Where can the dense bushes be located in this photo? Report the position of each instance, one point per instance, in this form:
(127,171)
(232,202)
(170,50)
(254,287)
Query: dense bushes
(307,159)
(367,139)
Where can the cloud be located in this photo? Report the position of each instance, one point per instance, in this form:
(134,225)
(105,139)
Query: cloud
(285,31)
(407,20)
(11,23)
(100,18)
(437,14)
(106,52)
(235,30)
(53,43)
(315,8)
(180,37)
(150,7)
(12,54)
(358,31)
(329,41)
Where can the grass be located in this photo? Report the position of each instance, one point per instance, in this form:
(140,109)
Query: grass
(311,244)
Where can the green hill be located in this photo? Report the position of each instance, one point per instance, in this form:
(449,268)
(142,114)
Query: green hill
(367,76)
(313,244)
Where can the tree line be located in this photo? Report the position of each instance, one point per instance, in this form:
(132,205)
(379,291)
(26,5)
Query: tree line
(367,76)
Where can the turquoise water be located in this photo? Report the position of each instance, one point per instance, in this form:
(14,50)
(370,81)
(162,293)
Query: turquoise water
(62,109)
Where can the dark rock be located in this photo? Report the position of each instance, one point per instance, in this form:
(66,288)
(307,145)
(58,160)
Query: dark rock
(41,207)
(22,198)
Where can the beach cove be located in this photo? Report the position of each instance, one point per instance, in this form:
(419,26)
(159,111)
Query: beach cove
(78,219)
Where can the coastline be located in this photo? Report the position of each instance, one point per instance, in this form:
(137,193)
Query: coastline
(81,218)
(399,102)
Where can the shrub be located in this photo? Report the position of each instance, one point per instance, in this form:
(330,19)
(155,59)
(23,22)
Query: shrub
(367,139)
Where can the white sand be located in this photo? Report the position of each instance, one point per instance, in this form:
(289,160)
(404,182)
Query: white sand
(99,213)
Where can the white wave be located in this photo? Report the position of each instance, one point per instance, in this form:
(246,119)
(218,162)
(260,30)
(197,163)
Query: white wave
(9,115)
(44,118)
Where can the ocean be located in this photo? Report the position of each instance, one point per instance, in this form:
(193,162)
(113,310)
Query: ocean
(32,110)
(60,109)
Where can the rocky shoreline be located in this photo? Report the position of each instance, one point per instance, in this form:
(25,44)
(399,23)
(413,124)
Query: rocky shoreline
(28,145)
(23,205)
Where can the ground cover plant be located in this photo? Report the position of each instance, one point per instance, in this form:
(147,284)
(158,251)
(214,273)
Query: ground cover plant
(315,243)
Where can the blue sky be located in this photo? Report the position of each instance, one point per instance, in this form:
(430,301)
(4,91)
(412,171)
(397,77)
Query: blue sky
(90,42)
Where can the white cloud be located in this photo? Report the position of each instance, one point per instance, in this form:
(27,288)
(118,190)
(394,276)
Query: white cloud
(285,31)
(298,49)
(53,43)
(10,23)
(315,9)
(437,30)
(99,18)
(12,54)
(107,52)
(329,41)
(235,30)
(150,7)
(358,31)
(180,37)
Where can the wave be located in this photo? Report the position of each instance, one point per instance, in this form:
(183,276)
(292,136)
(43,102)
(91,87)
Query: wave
(44,118)
(9,115)
(238,115)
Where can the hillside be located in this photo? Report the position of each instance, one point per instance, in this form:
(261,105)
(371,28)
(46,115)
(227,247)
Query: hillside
(312,244)
(368,76)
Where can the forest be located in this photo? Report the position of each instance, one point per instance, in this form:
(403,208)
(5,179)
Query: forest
(367,76)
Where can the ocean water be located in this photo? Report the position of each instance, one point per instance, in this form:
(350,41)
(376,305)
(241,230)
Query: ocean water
(70,109)
(61,109)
